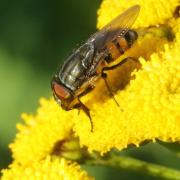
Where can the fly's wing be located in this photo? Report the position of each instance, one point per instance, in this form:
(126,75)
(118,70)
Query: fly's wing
(124,20)
(117,27)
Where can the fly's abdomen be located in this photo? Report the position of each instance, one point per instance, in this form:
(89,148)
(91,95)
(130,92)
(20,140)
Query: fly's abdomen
(119,45)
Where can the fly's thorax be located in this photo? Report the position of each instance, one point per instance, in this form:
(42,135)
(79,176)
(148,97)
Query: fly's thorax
(75,69)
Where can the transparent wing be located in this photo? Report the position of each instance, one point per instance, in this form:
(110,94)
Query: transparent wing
(117,27)
(124,20)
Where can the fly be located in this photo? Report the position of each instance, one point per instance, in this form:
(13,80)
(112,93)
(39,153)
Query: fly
(90,61)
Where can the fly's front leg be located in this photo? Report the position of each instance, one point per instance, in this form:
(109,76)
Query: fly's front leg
(89,89)
(86,110)
(81,106)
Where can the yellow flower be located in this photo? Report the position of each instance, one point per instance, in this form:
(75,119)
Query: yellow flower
(38,136)
(149,103)
(46,169)
(152,12)
(149,98)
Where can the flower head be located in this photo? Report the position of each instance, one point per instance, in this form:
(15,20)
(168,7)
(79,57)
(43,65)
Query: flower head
(149,103)
(38,136)
(152,12)
(46,169)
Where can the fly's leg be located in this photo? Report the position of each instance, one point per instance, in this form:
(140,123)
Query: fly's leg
(86,111)
(120,63)
(104,75)
(80,105)
(89,89)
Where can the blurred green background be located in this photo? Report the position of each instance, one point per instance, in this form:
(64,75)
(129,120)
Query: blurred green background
(35,37)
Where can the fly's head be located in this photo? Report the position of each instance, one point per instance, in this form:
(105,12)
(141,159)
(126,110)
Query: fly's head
(62,94)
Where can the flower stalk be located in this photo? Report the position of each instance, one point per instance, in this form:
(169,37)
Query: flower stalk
(135,165)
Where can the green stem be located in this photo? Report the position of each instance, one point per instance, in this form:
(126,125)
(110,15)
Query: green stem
(135,165)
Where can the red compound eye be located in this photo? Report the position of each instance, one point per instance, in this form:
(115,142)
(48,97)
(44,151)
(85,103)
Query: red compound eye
(61,91)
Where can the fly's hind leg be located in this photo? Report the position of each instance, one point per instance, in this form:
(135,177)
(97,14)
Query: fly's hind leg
(104,75)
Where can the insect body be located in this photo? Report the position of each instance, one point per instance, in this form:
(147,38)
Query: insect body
(89,62)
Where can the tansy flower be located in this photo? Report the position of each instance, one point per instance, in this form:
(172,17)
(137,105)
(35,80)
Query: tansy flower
(38,136)
(46,169)
(150,103)
(149,97)
(152,12)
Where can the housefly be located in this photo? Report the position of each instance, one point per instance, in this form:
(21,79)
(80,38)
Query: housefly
(89,62)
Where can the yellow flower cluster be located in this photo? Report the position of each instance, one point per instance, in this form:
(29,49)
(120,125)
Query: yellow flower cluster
(38,136)
(149,99)
(150,102)
(152,12)
(48,168)
(37,139)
